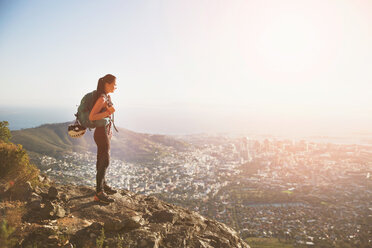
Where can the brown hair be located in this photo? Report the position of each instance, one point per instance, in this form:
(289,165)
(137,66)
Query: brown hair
(108,78)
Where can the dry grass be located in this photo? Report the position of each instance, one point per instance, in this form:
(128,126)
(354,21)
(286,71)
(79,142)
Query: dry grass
(12,212)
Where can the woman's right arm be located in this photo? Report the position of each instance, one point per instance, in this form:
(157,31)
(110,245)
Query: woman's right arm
(95,113)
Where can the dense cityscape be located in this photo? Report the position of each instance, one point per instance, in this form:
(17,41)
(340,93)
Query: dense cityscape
(306,193)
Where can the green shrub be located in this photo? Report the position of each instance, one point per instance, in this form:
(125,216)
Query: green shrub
(5,134)
(120,240)
(101,239)
(15,167)
(5,235)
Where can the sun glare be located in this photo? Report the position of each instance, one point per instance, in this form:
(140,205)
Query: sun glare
(290,43)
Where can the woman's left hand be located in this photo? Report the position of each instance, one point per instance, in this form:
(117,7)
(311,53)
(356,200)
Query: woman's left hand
(111,109)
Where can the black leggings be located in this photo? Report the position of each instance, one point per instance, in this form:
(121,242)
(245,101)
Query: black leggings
(103,155)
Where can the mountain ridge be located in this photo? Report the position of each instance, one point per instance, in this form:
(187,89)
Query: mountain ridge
(53,140)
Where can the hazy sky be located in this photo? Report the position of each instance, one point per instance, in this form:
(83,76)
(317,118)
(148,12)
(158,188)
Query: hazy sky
(192,66)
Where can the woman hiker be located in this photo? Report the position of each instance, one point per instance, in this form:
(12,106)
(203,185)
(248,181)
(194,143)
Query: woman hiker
(102,135)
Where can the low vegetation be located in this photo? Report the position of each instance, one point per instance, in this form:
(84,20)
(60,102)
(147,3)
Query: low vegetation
(15,171)
(267,243)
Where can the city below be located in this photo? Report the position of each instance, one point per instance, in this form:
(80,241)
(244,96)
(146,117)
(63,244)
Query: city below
(297,191)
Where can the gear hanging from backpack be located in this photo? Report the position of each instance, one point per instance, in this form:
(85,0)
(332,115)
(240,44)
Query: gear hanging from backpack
(76,130)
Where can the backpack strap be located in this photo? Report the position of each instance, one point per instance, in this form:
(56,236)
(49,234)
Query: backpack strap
(109,103)
(107,98)
(113,123)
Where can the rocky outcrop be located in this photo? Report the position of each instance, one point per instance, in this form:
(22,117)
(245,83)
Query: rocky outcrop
(67,216)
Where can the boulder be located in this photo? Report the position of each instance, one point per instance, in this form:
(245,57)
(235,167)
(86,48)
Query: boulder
(34,197)
(112,225)
(49,209)
(64,197)
(163,216)
(37,190)
(60,211)
(35,205)
(52,192)
(29,187)
(133,222)
(41,178)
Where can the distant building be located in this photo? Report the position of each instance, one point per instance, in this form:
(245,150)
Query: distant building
(246,149)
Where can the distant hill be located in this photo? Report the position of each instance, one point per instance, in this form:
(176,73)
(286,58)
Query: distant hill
(53,140)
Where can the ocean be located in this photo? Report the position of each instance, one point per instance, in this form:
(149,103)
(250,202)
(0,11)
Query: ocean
(176,122)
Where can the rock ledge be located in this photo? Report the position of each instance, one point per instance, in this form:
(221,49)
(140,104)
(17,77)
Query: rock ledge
(67,216)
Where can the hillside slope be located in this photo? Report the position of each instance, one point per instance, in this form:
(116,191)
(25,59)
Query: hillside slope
(53,140)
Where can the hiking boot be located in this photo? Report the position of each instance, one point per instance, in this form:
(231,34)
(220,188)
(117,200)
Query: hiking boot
(109,190)
(102,197)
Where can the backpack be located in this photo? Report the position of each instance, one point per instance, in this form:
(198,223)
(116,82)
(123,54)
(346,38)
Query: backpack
(86,105)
